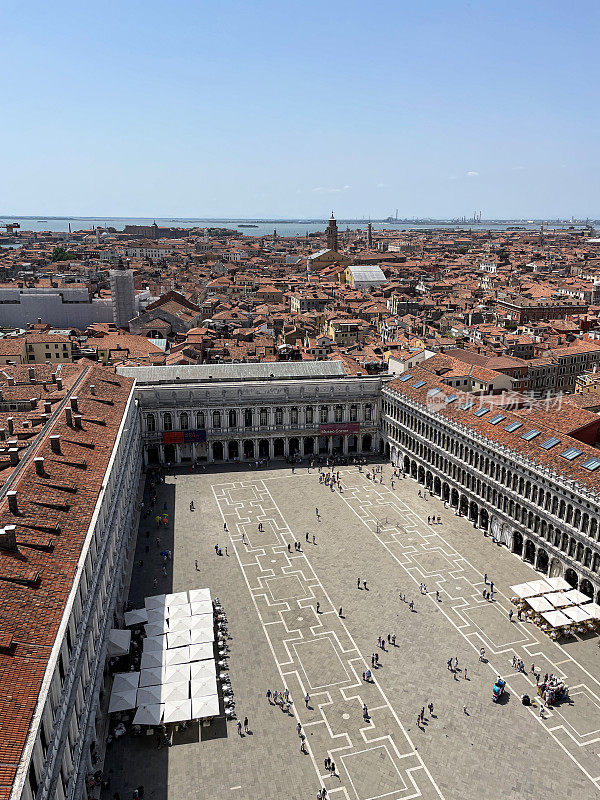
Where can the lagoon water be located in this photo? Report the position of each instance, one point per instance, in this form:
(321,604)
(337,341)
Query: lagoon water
(264,227)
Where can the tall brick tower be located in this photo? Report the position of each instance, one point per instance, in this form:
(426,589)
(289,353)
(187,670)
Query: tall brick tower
(332,234)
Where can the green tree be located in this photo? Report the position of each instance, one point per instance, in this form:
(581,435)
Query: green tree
(60,254)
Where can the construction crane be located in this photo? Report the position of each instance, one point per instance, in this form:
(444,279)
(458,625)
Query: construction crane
(10,227)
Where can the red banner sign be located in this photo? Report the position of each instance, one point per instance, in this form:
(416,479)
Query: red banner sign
(338,428)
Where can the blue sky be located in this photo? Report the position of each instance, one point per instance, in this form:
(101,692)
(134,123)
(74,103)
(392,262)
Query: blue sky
(288,109)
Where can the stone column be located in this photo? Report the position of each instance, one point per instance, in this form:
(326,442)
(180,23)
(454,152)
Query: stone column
(209,451)
(240,450)
(345,444)
(177,454)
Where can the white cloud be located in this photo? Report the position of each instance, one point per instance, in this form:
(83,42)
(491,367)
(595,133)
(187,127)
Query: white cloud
(323,190)
(380,185)
(472,174)
(345,188)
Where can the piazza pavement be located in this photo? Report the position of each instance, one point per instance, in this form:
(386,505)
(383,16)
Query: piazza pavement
(368,531)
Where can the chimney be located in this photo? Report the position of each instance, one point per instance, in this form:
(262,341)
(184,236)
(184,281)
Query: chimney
(93,389)
(77,419)
(44,418)
(74,405)
(69,416)
(32,374)
(33,401)
(8,538)
(58,382)
(11,424)
(11,380)
(13,452)
(53,377)
(47,407)
(13,506)
(39,465)
(2,434)
(55,444)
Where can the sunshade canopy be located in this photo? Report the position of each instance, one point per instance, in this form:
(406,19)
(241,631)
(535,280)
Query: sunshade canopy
(575,596)
(539,604)
(149,715)
(177,711)
(122,700)
(135,617)
(205,706)
(119,642)
(558,583)
(126,680)
(556,618)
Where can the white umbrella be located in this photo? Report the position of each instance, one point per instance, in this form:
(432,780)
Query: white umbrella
(205,706)
(156,601)
(558,599)
(523,590)
(119,642)
(179,655)
(122,700)
(176,673)
(202,635)
(202,607)
(126,680)
(154,659)
(175,612)
(177,599)
(176,691)
(177,711)
(152,643)
(149,695)
(575,596)
(149,715)
(135,617)
(152,677)
(203,686)
(556,618)
(180,623)
(178,639)
(593,609)
(577,613)
(540,586)
(539,603)
(200,652)
(157,616)
(558,583)
(199,594)
(200,670)
(158,629)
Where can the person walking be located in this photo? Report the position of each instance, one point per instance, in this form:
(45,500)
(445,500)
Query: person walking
(318,607)
(340,612)
(269,696)
(306,699)
(239,727)
(245,724)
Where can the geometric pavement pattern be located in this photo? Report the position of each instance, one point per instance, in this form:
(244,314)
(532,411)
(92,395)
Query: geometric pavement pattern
(428,558)
(316,654)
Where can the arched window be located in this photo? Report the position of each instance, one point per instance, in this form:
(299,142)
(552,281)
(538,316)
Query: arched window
(248,418)
(200,419)
(216,419)
(233,419)
(150,422)
(324,413)
(264,417)
(184,421)
(368,412)
(309,415)
(339,413)
(293,415)
(167,421)
(278,416)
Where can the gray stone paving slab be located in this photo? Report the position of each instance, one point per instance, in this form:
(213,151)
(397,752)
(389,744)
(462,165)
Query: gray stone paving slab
(461,752)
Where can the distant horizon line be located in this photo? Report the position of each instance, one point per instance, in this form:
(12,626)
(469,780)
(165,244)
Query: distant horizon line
(298,219)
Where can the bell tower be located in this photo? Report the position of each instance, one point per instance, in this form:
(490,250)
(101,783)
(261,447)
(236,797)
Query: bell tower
(332,234)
